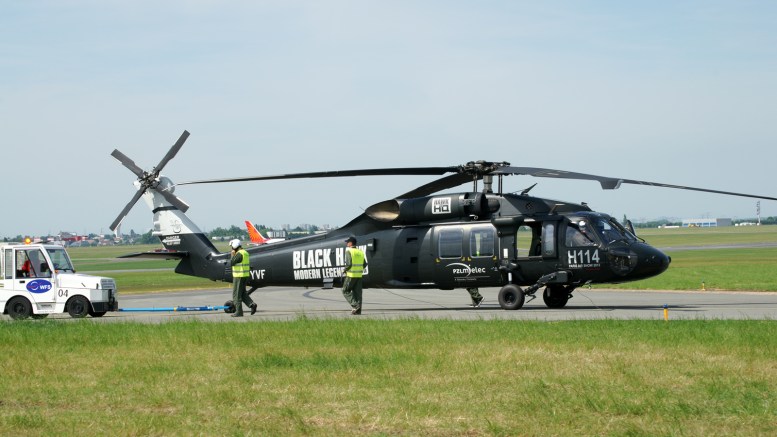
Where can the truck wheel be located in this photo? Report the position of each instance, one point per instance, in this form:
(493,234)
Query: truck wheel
(78,307)
(97,313)
(19,308)
(230,307)
(511,297)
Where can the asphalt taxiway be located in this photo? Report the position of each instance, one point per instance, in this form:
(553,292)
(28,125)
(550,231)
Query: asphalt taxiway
(286,303)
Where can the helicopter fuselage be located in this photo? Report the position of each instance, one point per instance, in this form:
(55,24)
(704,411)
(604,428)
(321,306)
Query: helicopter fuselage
(441,242)
(422,239)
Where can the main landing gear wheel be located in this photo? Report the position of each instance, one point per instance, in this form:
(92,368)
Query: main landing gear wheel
(19,308)
(78,307)
(230,307)
(555,296)
(511,297)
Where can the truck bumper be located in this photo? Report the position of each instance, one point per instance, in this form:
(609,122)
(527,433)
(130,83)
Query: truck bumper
(111,305)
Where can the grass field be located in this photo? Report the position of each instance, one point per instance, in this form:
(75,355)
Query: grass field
(404,377)
(749,269)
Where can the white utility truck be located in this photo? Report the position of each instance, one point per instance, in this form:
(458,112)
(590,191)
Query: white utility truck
(38,279)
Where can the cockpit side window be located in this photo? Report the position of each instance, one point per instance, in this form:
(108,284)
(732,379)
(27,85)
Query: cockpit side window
(578,234)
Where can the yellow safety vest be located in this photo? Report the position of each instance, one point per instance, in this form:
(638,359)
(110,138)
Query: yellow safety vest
(241,269)
(357,263)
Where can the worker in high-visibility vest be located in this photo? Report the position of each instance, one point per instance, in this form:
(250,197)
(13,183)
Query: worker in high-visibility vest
(241,269)
(355,265)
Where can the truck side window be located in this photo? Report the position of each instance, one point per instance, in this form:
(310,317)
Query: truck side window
(8,264)
(23,265)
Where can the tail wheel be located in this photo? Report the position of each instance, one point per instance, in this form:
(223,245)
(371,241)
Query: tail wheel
(230,307)
(511,297)
(78,307)
(19,308)
(555,296)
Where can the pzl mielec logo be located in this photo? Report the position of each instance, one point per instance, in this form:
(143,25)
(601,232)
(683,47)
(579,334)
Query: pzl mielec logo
(39,286)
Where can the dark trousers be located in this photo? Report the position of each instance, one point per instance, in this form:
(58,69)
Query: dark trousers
(352,291)
(239,294)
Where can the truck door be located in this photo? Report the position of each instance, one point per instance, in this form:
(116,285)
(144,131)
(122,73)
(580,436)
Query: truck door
(31,274)
(6,276)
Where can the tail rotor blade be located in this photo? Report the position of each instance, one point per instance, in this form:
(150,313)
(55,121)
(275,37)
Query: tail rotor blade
(127,162)
(172,152)
(174,200)
(127,209)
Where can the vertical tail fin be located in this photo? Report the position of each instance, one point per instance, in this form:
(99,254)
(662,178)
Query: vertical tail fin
(255,236)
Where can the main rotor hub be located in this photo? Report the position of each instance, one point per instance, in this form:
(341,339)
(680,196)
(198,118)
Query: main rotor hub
(480,168)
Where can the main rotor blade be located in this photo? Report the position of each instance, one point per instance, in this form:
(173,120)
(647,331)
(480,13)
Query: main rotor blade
(172,152)
(336,174)
(127,162)
(609,183)
(443,183)
(127,209)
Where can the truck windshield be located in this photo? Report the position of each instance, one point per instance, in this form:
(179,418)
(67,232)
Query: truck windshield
(61,260)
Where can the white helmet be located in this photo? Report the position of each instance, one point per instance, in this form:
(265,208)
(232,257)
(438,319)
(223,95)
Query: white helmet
(234,243)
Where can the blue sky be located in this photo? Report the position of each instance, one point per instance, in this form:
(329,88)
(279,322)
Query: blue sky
(680,92)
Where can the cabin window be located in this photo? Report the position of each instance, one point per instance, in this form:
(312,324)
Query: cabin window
(481,242)
(450,243)
(527,240)
(549,240)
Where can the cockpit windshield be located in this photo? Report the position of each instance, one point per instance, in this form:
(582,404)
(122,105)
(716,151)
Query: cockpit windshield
(591,230)
(610,230)
(60,259)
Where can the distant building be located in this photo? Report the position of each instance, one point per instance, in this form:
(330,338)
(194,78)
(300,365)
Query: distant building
(707,222)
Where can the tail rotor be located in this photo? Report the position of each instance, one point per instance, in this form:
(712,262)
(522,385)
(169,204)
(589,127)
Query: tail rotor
(150,180)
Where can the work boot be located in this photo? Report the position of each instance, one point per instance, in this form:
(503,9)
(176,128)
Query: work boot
(356,311)
(236,315)
(253,308)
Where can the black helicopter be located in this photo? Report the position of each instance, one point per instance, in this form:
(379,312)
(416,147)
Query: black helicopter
(479,238)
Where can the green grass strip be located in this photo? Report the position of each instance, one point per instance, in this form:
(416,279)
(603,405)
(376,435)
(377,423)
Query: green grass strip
(405,377)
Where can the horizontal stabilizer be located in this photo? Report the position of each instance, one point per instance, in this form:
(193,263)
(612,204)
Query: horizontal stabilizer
(157,255)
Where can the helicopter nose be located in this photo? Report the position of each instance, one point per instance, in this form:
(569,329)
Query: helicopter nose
(655,261)
(650,261)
